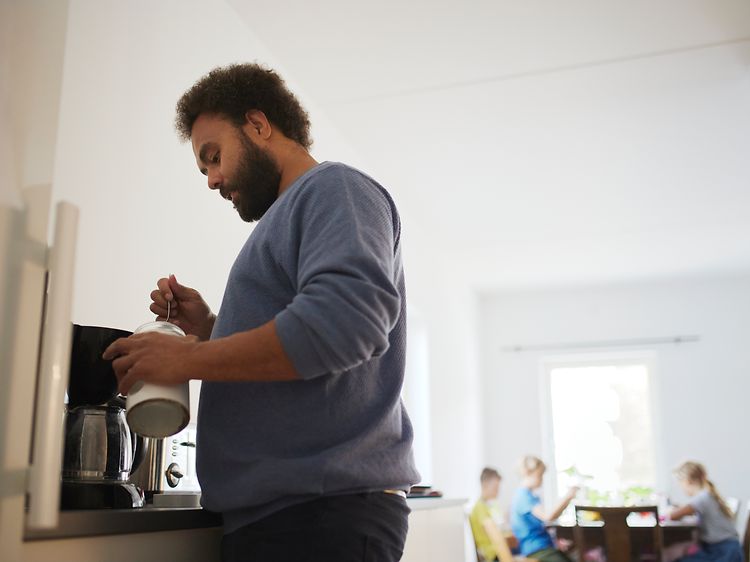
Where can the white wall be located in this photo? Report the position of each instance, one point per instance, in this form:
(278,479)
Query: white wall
(32,35)
(701,389)
(145,209)
(449,309)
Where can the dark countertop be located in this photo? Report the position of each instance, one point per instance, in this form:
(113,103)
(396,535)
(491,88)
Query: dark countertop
(88,523)
(95,522)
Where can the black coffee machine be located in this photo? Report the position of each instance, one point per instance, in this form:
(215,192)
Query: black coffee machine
(100,451)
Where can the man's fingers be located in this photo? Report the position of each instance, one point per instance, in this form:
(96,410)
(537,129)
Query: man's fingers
(123,364)
(161,311)
(115,349)
(160,299)
(123,346)
(165,290)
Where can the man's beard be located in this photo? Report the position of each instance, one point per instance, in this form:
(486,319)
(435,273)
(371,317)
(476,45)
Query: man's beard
(256,181)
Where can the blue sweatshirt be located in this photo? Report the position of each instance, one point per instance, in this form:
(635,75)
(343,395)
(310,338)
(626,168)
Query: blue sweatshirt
(325,262)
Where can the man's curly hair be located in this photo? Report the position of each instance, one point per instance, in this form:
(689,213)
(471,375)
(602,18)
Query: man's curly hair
(231,91)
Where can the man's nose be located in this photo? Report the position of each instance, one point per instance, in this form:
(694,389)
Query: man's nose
(214,179)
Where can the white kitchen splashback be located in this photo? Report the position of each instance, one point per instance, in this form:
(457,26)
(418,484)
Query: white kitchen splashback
(181,451)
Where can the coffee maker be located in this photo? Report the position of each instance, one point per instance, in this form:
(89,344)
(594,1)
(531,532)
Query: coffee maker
(100,452)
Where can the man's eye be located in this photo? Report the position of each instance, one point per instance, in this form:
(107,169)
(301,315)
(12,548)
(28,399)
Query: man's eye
(215,158)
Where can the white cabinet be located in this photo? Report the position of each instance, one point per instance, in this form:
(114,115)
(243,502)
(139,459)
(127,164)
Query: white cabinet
(436,531)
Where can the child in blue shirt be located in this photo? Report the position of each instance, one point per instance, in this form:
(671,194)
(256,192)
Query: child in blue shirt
(719,541)
(528,517)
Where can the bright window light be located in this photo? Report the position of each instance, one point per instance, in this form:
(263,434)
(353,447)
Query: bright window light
(601,426)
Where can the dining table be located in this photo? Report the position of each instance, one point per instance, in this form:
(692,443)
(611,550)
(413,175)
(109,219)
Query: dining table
(639,534)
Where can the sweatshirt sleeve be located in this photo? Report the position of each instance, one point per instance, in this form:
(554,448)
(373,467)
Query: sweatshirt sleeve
(347,300)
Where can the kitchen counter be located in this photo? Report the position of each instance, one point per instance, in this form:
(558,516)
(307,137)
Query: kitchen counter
(190,534)
(89,523)
(430,502)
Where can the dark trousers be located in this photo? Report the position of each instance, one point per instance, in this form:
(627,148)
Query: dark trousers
(354,528)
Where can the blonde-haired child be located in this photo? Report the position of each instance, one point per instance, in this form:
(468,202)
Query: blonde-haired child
(528,516)
(716,530)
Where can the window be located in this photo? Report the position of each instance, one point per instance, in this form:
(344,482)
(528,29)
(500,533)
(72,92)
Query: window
(601,431)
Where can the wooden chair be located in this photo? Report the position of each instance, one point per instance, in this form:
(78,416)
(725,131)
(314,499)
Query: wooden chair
(617,533)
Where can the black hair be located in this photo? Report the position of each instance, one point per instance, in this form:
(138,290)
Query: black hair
(231,91)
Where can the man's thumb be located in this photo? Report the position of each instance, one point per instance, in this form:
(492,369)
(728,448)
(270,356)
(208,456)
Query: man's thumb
(178,290)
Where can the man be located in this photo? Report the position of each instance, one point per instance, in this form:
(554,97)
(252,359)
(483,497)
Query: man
(303,444)
(490,543)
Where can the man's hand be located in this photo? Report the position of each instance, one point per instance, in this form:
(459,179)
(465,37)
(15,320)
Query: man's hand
(152,357)
(187,309)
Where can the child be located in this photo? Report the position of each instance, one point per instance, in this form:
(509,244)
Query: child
(528,516)
(718,536)
(483,516)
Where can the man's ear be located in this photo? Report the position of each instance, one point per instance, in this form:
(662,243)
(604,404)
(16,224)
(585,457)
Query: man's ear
(257,124)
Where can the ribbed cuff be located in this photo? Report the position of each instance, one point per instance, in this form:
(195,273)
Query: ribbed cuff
(298,345)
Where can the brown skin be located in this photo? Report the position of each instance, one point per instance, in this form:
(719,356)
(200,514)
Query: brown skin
(213,134)
(252,355)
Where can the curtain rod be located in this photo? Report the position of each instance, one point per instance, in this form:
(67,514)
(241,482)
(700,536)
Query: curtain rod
(602,343)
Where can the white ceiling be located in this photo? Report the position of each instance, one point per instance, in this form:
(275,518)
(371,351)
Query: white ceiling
(540,142)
